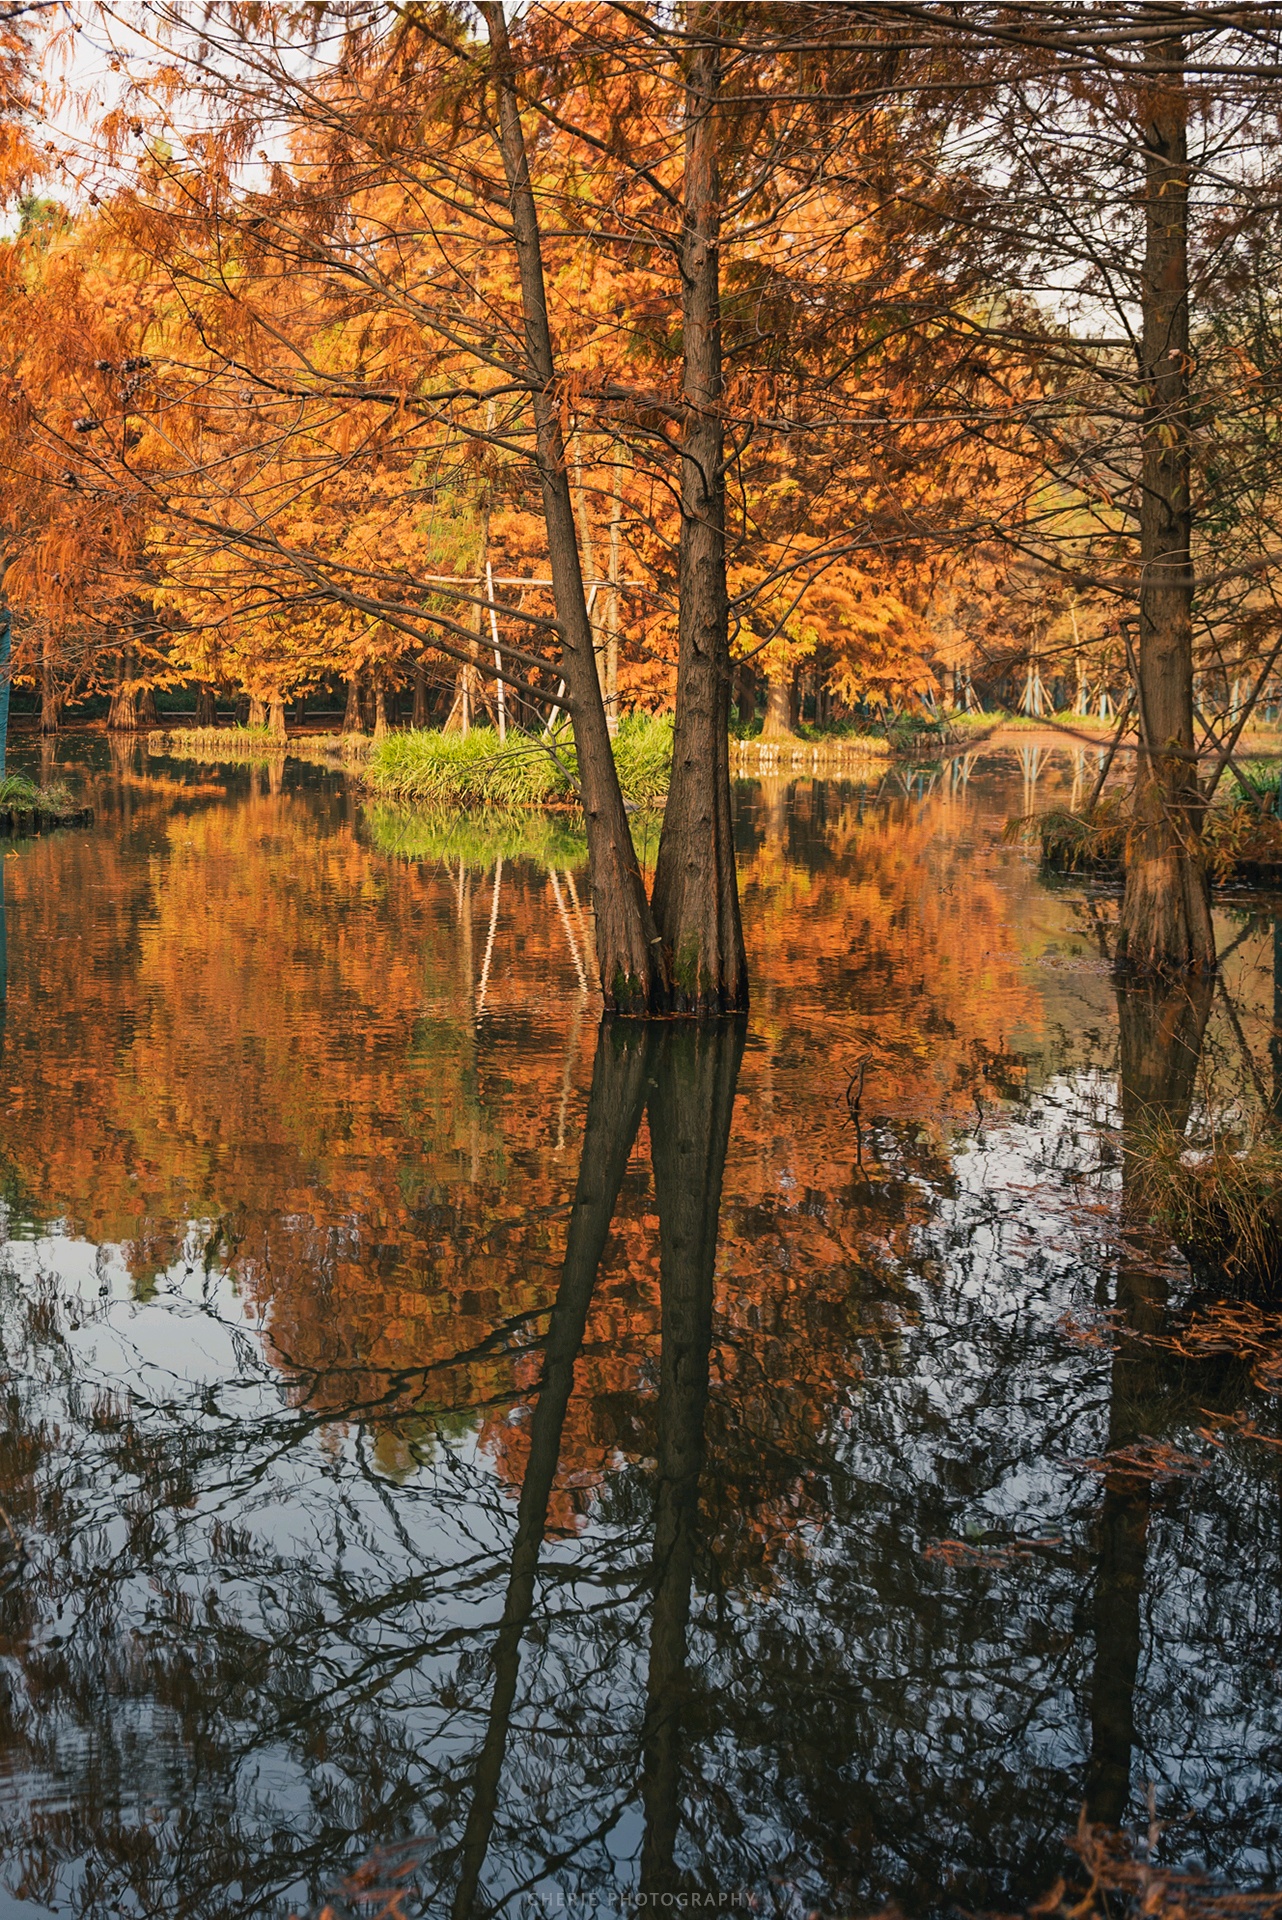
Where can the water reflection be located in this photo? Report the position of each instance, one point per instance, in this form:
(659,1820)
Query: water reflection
(591,1457)
(1161,1029)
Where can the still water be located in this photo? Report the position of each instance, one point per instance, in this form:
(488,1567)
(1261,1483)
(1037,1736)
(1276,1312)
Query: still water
(621,1462)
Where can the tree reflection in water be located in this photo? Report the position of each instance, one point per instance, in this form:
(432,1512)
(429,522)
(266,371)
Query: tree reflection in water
(389,1477)
(1161,1029)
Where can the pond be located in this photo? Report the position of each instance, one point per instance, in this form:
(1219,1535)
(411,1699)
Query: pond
(774,1464)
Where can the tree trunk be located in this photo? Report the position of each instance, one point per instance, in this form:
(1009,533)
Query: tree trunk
(276,717)
(419,716)
(6,669)
(352,722)
(122,716)
(206,706)
(463,706)
(380,711)
(778,721)
(257,711)
(612,604)
(1166,910)
(49,701)
(634,977)
(745,694)
(696,886)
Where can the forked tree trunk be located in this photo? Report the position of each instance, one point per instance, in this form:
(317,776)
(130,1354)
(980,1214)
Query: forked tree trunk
(1166,910)
(206,706)
(634,976)
(462,711)
(696,886)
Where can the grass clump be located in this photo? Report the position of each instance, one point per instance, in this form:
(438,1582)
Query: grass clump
(454,770)
(18,794)
(643,755)
(1243,841)
(1074,843)
(466,769)
(1221,1205)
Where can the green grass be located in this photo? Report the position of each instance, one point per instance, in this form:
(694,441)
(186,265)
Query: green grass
(454,770)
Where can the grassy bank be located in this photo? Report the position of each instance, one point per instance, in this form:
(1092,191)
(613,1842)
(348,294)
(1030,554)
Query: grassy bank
(212,744)
(453,770)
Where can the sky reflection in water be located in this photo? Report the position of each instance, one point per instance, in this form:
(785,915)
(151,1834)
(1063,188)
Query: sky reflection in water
(398,1450)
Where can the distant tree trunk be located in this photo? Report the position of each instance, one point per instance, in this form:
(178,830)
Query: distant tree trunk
(122,715)
(49,701)
(148,713)
(463,706)
(419,716)
(778,721)
(352,722)
(206,706)
(634,976)
(745,699)
(241,709)
(380,710)
(1165,922)
(276,717)
(257,711)
(696,886)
